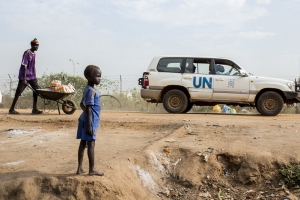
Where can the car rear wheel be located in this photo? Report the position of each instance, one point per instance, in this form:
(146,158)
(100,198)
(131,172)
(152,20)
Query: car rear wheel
(189,107)
(175,101)
(270,103)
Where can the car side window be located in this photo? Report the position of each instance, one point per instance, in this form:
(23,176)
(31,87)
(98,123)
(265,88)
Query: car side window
(190,66)
(172,65)
(225,69)
(197,66)
(202,68)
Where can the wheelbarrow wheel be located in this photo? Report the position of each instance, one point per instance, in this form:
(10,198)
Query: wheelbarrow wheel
(69,107)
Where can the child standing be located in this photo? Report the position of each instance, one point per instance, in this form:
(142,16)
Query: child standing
(89,120)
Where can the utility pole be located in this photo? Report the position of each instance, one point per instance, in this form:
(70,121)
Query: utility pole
(120,85)
(10,83)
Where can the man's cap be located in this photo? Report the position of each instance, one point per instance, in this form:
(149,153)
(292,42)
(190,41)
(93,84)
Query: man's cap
(34,42)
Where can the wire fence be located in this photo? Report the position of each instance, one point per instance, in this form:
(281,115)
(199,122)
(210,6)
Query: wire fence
(9,82)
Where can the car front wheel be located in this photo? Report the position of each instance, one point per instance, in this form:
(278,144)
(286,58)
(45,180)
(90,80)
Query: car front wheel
(175,101)
(189,107)
(270,103)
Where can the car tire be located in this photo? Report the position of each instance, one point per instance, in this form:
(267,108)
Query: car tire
(189,107)
(175,101)
(270,103)
(257,108)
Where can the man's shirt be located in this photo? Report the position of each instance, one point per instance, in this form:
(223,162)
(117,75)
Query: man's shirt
(28,60)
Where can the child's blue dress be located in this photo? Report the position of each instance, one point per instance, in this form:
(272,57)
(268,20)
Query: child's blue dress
(90,98)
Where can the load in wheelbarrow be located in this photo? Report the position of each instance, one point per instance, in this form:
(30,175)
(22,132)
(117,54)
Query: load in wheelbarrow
(68,106)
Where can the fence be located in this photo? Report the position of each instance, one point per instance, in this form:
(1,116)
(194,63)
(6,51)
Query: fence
(9,82)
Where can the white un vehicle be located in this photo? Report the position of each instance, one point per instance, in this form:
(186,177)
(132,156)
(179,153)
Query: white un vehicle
(180,82)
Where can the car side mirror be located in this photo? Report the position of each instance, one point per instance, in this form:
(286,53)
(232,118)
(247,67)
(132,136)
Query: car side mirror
(243,73)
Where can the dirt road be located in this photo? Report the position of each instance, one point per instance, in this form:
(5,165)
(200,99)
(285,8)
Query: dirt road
(149,156)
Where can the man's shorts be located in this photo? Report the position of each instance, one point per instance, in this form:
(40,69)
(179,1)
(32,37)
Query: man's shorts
(21,87)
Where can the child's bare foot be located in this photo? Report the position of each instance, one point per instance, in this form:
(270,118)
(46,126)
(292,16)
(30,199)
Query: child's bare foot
(80,171)
(96,173)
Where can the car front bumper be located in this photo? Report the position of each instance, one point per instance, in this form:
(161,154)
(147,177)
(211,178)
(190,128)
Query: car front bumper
(292,97)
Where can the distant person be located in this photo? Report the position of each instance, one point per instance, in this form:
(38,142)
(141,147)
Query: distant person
(89,120)
(190,68)
(27,75)
(221,71)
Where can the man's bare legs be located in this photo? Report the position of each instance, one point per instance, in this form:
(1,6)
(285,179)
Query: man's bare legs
(34,106)
(81,149)
(12,107)
(91,155)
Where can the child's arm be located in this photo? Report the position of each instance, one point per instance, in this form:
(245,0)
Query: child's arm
(88,120)
(82,106)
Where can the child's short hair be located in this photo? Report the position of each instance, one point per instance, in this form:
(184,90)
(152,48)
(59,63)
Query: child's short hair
(89,70)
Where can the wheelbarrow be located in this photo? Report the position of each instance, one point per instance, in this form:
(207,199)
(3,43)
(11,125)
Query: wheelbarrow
(68,106)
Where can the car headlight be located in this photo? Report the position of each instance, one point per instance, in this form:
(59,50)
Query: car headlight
(290,85)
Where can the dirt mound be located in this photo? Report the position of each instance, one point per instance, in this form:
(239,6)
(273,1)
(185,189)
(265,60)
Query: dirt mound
(58,188)
(189,173)
(225,176)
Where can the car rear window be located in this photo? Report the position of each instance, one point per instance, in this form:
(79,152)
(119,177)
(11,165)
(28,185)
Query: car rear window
(172,65)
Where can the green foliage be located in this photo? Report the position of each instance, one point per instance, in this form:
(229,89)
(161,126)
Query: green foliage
(291,174)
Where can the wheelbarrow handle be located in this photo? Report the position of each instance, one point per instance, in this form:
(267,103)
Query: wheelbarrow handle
(33,90)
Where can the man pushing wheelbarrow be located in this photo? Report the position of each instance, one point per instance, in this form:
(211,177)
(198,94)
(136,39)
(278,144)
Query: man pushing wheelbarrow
(27,75)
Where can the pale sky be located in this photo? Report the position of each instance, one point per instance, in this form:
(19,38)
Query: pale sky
(122,36)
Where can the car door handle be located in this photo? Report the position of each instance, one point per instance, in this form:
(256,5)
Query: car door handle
(219,79)
(187,77)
